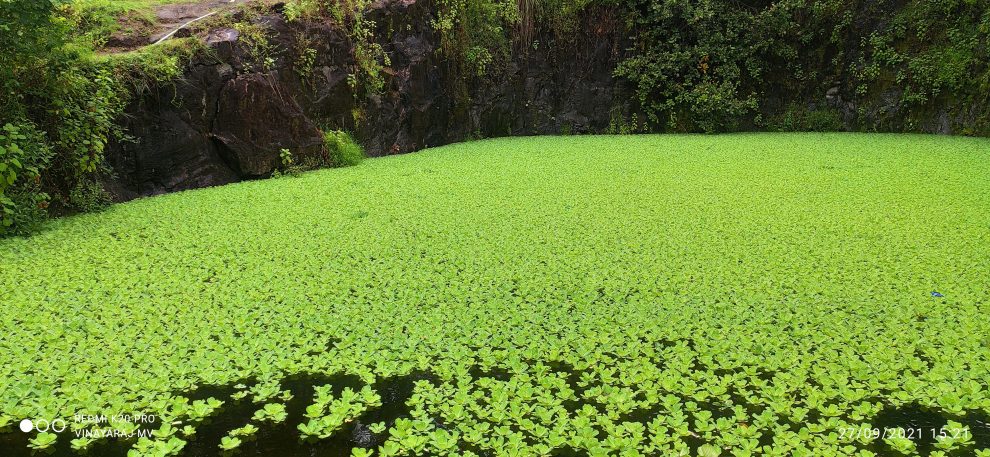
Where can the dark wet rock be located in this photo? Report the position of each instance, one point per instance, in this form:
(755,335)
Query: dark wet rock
(170,154)
(255,119)
(221,41)
(362,436)
(229,115)
(222,35)
(832,96)
(944,124)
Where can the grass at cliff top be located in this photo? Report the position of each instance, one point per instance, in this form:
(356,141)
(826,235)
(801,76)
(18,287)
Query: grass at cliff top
(763,293)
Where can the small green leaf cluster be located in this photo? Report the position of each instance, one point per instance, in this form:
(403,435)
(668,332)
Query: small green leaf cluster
(328,414)
(341,149)
(165,446)
(272,412)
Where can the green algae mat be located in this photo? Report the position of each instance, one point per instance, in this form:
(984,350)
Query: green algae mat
(755,294)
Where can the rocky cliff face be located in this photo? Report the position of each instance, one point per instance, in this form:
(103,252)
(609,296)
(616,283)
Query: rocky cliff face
(226,120)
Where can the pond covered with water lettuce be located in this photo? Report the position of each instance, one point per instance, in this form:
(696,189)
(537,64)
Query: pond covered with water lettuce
(649,295)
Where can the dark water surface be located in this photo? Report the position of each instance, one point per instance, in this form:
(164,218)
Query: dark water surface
(283,439)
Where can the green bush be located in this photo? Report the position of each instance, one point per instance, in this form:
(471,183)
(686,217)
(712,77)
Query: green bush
(23,154)
(707,66)
(695,62)
(350,17)
(800,119)
(88,196)
(475,35)
(60,102)
(31,56)
(341,149)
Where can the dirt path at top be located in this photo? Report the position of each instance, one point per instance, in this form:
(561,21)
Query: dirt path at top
(168,20)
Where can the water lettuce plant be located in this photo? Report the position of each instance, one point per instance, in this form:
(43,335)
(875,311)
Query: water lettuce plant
(272,412)
(758,294)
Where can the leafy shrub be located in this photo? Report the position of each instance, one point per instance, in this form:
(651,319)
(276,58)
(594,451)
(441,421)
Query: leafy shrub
(799,119)
(620,125)
(707,66)
(285,156)
(23,154)
(696,61)
(825,120)
(350,15)
(474,35)
(31,50)
(713,107)
(88,101)
(88,196)
(341,149)
(64,100)
(302,9)
(289,166)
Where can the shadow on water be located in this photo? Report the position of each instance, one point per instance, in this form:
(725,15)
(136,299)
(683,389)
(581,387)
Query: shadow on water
(283,439)
(567,451)
(495,373)
(271,439)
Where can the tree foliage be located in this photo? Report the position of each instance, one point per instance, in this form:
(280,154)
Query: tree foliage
(59,107)
(31,43)
(31,61)
(717,65)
